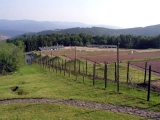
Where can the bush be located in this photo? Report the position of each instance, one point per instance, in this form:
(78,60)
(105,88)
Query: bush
(11,58)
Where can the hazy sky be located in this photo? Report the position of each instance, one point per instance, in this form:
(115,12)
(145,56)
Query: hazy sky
(122,13)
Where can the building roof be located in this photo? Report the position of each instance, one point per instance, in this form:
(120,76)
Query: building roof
(103,46)
(52,47)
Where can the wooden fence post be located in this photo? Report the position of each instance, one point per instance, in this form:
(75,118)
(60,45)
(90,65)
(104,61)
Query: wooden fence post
(79,66)
(94,71)
(115,71)
(56,66)
(83,74)
(145,72)
(105,74)
(128,71)
(118,66)
(65,68)
(52,65)
(69,71)
(149,82)
(86,67)
(62,63)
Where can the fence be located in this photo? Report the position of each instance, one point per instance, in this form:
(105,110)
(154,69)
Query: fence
(129,73)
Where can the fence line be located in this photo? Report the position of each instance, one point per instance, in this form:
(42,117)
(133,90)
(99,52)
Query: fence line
(107,71)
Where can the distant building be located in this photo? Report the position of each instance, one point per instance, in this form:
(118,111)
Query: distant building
(103,46)
(58,47)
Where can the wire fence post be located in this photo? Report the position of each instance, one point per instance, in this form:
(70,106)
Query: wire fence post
(52,65)
(149,82)
(117,66)
(62,63)
(115,71)
(145,72)
(79,66)
(86,67)
(75,60)
(105,74)
(69,71)
(65,68)
(94,71)
(83,74)
(128,64)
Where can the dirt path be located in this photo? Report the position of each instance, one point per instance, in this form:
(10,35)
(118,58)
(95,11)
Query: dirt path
(92,105)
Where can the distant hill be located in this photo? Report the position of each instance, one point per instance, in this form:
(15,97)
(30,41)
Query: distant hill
(12,28)
(146,31)
(16,27)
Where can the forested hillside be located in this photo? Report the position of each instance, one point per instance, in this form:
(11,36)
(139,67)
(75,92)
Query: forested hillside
(94,31)
(83,39)
(146,31)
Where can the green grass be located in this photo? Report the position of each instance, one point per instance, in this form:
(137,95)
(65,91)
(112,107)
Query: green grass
(58,112)
(34,82)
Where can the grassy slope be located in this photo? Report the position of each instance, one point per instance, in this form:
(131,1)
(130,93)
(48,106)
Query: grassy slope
(34,82)
(58,112)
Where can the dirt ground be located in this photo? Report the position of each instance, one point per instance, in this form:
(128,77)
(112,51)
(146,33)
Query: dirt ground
(92,49)
(111,49)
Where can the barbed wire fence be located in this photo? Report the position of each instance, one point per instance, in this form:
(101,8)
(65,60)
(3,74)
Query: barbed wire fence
(131,73)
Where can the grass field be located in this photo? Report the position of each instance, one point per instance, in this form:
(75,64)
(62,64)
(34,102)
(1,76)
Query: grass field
(58,112)
(35,82)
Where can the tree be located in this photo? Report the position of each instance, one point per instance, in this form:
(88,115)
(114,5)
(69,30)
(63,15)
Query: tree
(11,58)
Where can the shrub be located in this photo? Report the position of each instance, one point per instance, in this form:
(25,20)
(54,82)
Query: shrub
(11,58)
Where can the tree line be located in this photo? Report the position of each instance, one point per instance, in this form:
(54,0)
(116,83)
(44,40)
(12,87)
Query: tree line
(83,39)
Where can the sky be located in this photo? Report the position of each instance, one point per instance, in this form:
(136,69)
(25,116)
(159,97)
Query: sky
(120,13)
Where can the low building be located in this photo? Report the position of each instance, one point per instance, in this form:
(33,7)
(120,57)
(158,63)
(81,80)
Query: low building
(103,46)
(58,47)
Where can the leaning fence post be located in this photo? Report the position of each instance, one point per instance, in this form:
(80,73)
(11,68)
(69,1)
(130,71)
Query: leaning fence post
(149,82)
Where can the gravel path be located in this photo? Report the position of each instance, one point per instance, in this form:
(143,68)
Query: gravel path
(92,105)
